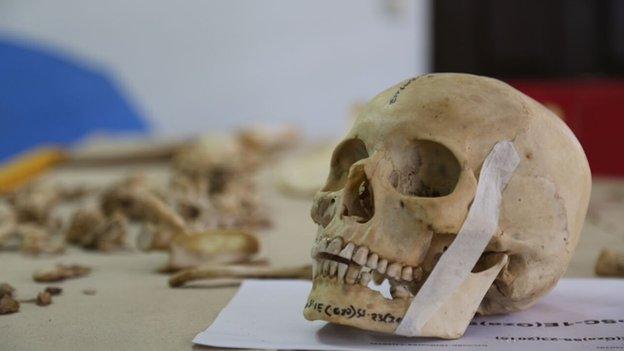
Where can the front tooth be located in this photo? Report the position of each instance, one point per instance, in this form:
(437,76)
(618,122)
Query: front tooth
(382,265)
(352,274)
(418,273)
(406,274)
(333,267)
(334,246)
(394,270)
(360,255)
(347,252)
(372,261)
(365,278)
(399,291)
(325,267)
(342,270)
(315,268)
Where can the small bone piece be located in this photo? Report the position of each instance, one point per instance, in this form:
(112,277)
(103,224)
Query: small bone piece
(239,272)
(44,298)
(90,229)
(8,305)
(60,273)
(54,290)
(6,289)
(89,291)
(212,246)
(610,263)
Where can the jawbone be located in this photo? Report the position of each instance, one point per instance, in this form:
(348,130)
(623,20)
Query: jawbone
(353,305)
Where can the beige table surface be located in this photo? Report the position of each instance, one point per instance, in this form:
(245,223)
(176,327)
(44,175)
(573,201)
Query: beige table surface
(134,309)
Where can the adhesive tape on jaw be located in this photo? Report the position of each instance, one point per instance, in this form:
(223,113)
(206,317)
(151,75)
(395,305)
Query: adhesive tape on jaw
(455,265)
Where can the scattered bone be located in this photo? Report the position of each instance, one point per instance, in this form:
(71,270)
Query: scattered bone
(89,291)
(266,141)
(610,263)
(136,201)
(44,298)
(8,305)
(91,230)
(6,289)
(54,290)
(34,202)
(60,273)
(212,272)
(212,246)
(31,239)
(155,237)
(82,221)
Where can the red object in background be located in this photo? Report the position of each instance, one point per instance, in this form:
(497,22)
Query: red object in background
(594,110)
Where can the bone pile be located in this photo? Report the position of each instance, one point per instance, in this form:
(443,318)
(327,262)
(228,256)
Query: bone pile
(29,220)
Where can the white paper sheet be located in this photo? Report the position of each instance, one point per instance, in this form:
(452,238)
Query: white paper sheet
(579,314)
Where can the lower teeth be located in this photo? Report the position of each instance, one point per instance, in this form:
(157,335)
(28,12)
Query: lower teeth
(362,275)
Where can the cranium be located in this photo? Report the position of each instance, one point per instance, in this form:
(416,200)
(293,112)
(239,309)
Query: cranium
(403,180)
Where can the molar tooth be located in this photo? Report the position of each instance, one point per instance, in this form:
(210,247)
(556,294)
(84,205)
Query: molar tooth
(418,273)
(360,255)
(352,274)
(347,252)
(334,246)
(372,261)
(342,270)
(407,274)
(394,270)
(382,265)
(399,291)
(365,278)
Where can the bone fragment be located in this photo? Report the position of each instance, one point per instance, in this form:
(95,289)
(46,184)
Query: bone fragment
(610,263)
(241,272)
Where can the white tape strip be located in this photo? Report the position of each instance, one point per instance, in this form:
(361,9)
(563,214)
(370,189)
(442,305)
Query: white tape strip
(455,265)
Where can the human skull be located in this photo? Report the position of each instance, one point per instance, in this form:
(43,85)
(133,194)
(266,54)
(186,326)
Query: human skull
(403,180)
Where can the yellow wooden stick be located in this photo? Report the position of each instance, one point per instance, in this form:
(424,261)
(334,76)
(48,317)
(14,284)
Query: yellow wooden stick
(22,168)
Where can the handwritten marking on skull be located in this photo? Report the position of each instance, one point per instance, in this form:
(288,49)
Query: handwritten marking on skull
(351,312)
(401,88)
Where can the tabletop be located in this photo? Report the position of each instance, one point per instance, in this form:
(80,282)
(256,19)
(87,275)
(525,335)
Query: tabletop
(134,308)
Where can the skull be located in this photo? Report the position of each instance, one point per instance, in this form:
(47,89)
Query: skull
(403,180)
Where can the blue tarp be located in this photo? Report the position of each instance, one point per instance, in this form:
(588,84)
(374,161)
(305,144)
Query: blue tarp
(47,98)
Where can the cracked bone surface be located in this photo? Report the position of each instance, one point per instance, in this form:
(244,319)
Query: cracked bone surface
(400,186)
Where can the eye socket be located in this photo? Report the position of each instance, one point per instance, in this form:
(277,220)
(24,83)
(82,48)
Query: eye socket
(425,169)
(345,155)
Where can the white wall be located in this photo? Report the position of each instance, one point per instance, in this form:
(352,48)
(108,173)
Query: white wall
(212,65)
